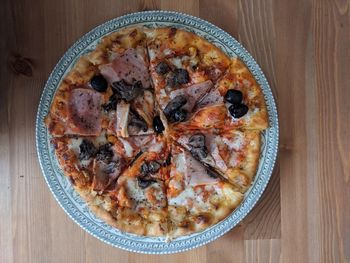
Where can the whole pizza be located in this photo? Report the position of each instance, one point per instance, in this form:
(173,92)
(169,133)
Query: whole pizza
(158,130)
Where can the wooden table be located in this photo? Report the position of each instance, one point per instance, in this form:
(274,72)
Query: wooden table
(304,49)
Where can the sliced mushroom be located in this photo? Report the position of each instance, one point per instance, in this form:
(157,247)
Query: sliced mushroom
(136,124)
(144,106)
(127,91)
(174,104)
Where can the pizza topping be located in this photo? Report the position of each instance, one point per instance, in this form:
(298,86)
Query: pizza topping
(177,77)
(105,173)
(128,149)
(84,114)
(112,103)
(175,104)
(150,167)
(145,182)
(233,96)
(212,173)
(194,172)
(218,161)
(136,123)
(105,152)
(181,76)
(140,141)
(158,124)
(238,110)
(87,150)
(129,66)
(197,146)
(212,98)
(199,153)
(127,91)
(193,94)
(123,110)
(99,83)
(162,68)
(144,106)
(197,140)
(178,115)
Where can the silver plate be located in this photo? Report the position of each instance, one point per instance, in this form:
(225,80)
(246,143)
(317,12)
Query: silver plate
(70,200)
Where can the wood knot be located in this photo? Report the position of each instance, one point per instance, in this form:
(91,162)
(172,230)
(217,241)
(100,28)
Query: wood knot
(21,65)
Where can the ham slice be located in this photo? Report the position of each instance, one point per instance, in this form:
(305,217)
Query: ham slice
(194,172)
(193,93)
(219,162)
(84,113)
(130,66)
(105,174)
(133,145)
(212,98)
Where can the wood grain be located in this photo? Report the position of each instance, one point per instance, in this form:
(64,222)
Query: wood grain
(303,48)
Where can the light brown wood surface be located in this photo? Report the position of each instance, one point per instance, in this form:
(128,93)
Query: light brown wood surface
(304,49)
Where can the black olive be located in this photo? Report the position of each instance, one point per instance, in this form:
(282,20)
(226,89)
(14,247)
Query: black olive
(238,110)
(105,153)
(87,150)
(162,68)
(197,140)
(144,182)
(99,83)
(199,153)
(158,124)
(181,76)
(153,166)
(178,115)
(127,91)
(175,104)
(233,96)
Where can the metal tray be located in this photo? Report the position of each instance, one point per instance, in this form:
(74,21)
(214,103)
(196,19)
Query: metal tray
(70,200)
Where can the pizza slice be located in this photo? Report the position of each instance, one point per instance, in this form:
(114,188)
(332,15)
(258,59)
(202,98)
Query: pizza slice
(91,163)
(197,197)
(234,154)
(237,102)
(139,198)
(182,64)
(114,74)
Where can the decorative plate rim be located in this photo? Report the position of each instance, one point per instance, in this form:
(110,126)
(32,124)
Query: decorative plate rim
(131,242)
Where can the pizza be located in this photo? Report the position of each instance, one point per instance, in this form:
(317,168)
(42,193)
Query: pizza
(158,130)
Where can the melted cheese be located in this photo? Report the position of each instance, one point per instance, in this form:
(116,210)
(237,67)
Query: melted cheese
(191,199)
(235,143)
(127,147)
(156,147)
(167,52)
(138,195)
(135,192)
(151,53)
(74,144)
